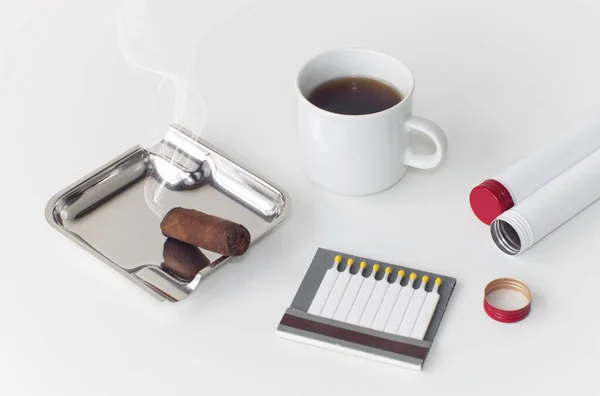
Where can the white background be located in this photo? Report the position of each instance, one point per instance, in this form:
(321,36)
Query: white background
(500,77)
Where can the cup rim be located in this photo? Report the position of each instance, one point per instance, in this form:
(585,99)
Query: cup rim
(360,49)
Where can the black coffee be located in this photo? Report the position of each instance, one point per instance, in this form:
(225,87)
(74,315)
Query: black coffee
(354,96)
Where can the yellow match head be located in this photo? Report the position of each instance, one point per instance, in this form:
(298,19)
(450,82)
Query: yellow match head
(375,267)
(425,279)
(438,281)
(401,273)
(388,270)
(338,259)
(413,276)
(350,262)
(363,265)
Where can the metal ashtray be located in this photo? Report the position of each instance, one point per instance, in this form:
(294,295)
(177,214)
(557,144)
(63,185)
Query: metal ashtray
(115,212)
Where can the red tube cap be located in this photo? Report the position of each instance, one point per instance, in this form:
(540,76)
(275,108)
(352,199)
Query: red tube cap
(502,315)
(489,200)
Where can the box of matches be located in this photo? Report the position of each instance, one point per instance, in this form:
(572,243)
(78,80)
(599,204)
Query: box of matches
(367,308)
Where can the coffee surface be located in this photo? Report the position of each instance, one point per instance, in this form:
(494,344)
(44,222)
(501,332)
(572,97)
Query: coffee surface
(354,95)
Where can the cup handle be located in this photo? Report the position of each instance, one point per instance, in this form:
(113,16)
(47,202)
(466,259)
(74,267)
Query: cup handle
(436,134)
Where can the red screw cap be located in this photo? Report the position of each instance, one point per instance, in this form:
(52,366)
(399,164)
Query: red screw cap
(506,316)
(489,200)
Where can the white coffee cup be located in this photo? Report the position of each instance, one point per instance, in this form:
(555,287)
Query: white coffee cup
(361,154)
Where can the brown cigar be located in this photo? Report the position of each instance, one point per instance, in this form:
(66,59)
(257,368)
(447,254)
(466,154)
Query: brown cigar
(208,232)
(183,259)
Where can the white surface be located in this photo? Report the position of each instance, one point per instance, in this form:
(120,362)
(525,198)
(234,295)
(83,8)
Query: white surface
(543,165)
(507,299)
(500,78)
(361,154)
(556,202)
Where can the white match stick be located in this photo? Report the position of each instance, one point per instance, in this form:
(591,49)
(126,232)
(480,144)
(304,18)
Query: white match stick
(337,291)
(374,303)
(324,289)
(401,305)
(412,312)
(389,300)
(427,311)
(364,294)
(350,294)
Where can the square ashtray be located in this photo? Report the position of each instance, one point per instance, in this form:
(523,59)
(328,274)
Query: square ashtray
(115,212)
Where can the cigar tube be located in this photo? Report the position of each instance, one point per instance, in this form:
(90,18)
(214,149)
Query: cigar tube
(182,259)
(208,232)
(517,229)
(495,196)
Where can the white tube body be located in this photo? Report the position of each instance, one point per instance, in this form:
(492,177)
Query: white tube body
(552,205)
(536,170)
